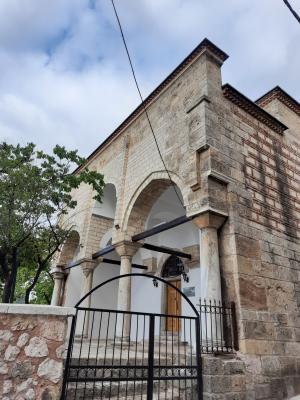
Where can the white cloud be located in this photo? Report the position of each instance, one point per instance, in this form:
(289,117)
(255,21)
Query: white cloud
(65,78)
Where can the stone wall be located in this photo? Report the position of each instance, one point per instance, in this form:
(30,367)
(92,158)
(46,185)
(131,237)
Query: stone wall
(32,342)
(225,379)
(229,157)
(259,249)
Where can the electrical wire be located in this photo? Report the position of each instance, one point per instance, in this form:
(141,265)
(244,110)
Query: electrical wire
(143,104)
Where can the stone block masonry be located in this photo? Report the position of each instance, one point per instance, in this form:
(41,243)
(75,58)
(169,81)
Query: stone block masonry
(32,343)
(234,159)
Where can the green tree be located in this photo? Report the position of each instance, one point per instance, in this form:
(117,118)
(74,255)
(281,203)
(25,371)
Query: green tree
(43,288)
(35,188)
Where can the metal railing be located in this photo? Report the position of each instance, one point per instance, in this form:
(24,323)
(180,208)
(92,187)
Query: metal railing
(218,327)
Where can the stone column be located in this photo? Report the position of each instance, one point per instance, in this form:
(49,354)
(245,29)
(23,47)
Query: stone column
(88,266)
(210,277)
(58,276)
(126,251)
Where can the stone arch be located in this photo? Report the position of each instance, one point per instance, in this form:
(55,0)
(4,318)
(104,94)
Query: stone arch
(145,197)
(165,258)
(69,248)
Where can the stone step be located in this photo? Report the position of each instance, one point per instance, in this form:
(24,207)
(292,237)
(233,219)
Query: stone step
(122,390)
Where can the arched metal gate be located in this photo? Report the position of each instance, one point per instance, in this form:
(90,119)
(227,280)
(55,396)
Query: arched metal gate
(126,355)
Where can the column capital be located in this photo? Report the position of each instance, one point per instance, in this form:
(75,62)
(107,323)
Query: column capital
(58,272)
(128,249)
(88,265)
(209,220)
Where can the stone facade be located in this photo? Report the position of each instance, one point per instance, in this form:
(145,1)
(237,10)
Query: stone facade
(32,343)
(233,159)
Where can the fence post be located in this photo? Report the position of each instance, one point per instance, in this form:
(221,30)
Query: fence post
(234,326)
(150,358)
(199,360)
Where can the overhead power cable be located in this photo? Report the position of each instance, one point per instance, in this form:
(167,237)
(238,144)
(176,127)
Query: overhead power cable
(143,104)
(292,11)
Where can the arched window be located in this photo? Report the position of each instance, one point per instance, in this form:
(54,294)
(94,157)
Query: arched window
(172,267)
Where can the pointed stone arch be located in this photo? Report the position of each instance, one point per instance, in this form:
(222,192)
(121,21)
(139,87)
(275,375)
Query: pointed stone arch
(145,197)
(69,248)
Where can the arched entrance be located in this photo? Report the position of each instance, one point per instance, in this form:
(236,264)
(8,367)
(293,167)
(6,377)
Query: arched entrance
(145,367)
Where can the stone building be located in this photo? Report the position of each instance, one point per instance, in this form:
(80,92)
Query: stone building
(235,165)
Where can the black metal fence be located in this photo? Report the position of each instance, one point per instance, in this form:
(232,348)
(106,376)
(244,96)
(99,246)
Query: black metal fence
(141,361)
(218,327)
(131,355)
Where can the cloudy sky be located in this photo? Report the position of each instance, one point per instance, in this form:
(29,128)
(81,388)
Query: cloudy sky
(65,78)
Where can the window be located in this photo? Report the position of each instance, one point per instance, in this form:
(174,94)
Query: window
(172,267)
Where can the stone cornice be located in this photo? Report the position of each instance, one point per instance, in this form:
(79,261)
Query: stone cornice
(280,94)
(204,45)
(253,109)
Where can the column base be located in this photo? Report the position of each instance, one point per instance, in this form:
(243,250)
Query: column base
(121,341)
(79,338)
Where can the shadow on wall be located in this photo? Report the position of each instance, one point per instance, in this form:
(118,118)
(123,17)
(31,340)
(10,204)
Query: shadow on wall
(109,202)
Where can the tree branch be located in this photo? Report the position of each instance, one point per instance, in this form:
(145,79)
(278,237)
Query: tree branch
(47,299)
(292,11)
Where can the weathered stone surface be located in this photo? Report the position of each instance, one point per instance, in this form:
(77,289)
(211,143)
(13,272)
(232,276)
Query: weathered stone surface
(217,384)
(23,339)
(238,383)
(284,333)
(24,385)
(212,366)
(51,393)
(30,395)
(262,391)
(252,292)
(278,388)
(50,369)
(23,323)
(23,369)
(3,368)
(11,353)
(37,348)
(7,385)
(287,366)
(60,350)
(280,296)
(54,330)
(270,366)
(2,347)
(244,265)
(247,247)
(256,346)
(233,367)
(6,335)
(259,330)
(296,384)
(252,364)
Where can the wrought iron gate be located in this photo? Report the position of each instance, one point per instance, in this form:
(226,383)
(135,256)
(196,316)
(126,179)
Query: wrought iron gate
(131,355)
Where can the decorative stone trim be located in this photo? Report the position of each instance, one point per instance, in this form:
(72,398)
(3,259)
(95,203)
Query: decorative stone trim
(102,216)
(199,101)
(280,94)
(29,309)
(253,109)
